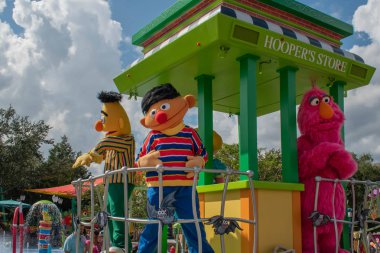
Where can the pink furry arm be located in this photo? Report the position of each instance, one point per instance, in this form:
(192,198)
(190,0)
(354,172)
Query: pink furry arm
(343,163)
(311,162)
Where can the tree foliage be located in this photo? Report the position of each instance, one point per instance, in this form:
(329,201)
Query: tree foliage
(22,164)
(20,155)
(269,162)
(368,170)
(270,165)
(57,169)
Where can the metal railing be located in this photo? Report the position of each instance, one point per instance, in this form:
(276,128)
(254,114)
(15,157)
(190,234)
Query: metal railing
(78,184)
(359,218)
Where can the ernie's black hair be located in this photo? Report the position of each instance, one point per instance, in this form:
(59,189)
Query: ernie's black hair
(163,91)
(109,96)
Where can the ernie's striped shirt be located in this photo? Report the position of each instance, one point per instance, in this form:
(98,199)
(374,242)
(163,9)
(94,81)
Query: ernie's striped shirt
(117,152)
(174,150)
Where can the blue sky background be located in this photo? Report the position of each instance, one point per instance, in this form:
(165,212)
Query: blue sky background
(56,55)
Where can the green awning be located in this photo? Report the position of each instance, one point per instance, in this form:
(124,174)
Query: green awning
(12,203)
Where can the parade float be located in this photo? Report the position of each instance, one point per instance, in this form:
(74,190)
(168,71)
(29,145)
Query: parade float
(247,58)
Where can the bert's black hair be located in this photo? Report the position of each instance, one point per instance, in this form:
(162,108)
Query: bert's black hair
(163,91)
(109,96)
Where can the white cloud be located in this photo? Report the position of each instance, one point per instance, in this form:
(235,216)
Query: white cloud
(366,19)
(227,127)
(269,131)
(53,71)
(133,109)
(134,52)
(59,122)
(3,4)
(362,113)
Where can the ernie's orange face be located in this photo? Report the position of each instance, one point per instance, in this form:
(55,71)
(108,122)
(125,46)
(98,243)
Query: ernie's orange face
(167,113)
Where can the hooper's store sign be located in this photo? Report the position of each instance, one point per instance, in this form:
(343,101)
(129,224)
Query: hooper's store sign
(300,52)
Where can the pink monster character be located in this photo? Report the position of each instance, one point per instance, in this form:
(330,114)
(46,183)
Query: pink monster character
(321,153)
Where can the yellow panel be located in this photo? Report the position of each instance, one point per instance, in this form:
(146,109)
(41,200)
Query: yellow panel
(275,223)
(232,209)
(297,231)
(201,197)
(247,235)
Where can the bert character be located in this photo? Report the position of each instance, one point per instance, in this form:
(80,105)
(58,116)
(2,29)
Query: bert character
(117,149)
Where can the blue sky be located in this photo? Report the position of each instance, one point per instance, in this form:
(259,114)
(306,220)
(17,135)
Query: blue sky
(55,56)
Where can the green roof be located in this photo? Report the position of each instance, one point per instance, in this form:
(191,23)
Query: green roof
(199,51)
(291,6)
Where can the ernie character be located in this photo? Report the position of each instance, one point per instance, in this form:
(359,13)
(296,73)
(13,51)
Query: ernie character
(171,143)
(117,150)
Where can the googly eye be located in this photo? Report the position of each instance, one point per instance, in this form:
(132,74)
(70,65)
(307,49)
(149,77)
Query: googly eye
(165,106)
(152,113)
(103,119)
(326,99)
(314,101)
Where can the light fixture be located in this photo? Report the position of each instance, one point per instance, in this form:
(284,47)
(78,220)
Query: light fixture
(60,201)
(261,65)
(22,198)
(223,50)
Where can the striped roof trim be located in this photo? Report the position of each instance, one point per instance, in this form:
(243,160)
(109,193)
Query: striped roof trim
(254,21)
(288,32)
(185,30)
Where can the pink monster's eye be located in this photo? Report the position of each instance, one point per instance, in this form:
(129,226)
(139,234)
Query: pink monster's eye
(326,99)
(314,101)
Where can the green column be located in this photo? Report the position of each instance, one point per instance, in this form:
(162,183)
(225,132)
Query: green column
(164,245)
(337,92)
(288,124)
(205,124)
(248,115)
(2,208)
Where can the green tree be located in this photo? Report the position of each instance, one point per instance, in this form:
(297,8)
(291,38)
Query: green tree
(20,155)
(367,170)
(270,165)
(229,155)
(269,161)
(57,169)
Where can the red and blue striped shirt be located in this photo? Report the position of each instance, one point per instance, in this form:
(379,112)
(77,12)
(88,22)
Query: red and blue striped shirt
(174,150)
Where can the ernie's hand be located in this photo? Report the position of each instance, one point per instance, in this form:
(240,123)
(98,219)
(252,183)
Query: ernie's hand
(150,159)
(194,161)
(82,160)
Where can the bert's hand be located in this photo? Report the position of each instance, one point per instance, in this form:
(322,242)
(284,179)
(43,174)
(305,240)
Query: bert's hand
(82,160)
(150,160)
